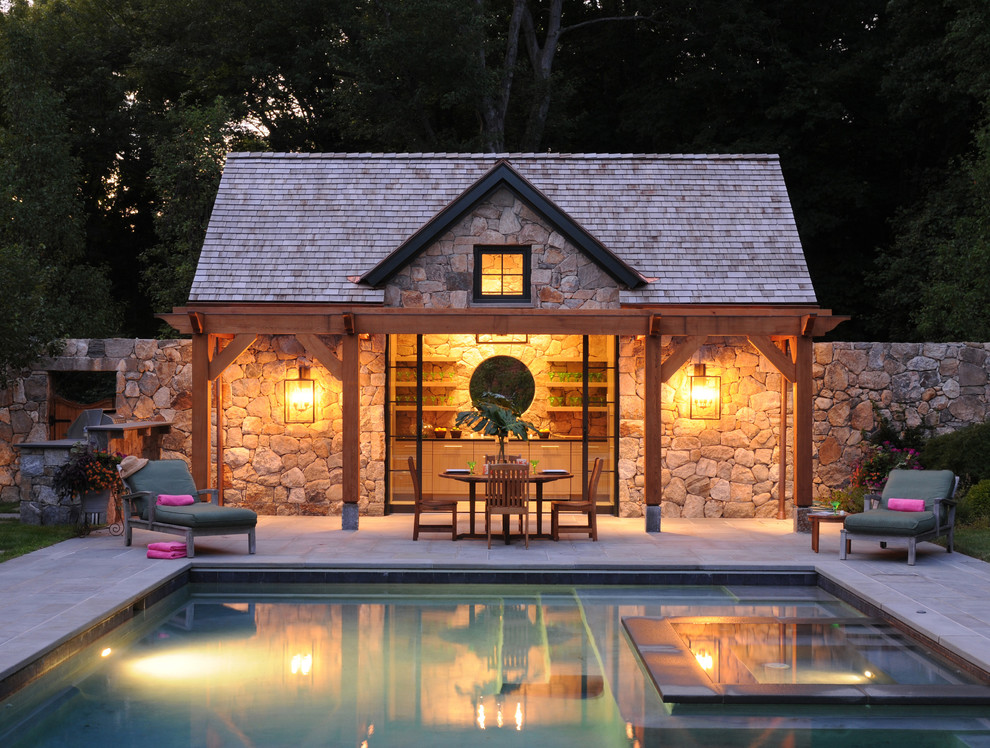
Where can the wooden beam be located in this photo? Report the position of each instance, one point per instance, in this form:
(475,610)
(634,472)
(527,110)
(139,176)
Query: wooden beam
(351,417)
(680,355)
(652,424)
(229,354)
(201,447)
(330,320)
(774,355)
(196,323)
(348,323)
(319,350)
(803,422)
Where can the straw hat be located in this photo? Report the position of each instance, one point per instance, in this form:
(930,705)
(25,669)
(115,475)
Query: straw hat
(131,464)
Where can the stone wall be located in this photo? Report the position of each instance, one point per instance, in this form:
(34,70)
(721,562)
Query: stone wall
(940,387)
(725,468)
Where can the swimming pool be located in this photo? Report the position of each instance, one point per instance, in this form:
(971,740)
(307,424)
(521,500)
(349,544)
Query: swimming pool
(414,665)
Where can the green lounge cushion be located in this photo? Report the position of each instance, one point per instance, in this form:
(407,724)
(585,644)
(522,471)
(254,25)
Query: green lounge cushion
(890,522)
(172,477)
(203,514)
(928,485)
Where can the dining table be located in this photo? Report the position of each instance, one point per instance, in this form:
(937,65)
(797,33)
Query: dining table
(475,479)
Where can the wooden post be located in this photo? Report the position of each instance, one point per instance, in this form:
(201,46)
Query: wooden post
(351,417)
(201,448)
(652,432)
(803,422)
(782,452)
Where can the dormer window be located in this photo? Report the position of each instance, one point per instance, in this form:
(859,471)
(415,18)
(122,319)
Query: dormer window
(501,274)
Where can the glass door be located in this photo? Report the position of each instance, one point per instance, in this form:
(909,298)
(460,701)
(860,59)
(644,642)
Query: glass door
(574,396)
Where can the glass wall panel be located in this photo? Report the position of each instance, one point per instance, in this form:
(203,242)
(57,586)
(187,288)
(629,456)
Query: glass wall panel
(574,407)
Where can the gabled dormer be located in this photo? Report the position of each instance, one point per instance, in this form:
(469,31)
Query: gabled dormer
(502,242)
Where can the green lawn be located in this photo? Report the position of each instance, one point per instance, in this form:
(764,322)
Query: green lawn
(973,540)
(17,539)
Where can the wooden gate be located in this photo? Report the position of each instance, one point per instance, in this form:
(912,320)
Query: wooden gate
(63,412)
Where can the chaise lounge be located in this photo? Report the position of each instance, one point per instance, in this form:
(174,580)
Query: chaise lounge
(171,478)
(915,505)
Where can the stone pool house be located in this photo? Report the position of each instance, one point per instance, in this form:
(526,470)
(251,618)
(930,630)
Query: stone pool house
(619,282)
(335,268)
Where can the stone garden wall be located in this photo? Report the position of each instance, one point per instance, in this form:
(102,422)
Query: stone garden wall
(725,468)
(941,387)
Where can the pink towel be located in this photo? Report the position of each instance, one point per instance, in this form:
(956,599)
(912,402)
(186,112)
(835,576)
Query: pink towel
(169,546)
(167,499)
(906,505)
(166,554)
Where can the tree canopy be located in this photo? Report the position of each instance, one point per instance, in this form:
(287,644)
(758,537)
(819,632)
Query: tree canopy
(115,116)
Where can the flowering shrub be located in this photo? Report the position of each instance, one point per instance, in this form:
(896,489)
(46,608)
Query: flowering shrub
(88,469)
(870,471)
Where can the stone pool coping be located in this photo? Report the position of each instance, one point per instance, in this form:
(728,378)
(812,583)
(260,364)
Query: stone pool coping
(53,596)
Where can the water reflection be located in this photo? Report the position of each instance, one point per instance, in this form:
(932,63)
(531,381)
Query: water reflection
(507,664)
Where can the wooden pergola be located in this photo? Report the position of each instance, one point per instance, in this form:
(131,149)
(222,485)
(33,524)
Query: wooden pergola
(782,334)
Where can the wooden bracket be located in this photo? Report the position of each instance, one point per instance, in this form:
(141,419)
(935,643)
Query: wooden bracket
(681,354)
(808,324)
(197,322)
(348,323)
(319,350)
(780,360)
(231,351)
(655,324)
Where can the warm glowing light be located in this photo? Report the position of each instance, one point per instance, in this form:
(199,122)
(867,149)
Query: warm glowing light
(706,395)
(301,664)
(630,733)
(868,673)
(106,652)
(704,659)
(181,668)
(300,395)
(481,717)
(518,716)
(499,720)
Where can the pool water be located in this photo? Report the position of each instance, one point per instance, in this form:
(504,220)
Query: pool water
(445,665)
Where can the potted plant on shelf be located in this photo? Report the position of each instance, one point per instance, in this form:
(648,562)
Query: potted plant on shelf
(495,415)
(89,473)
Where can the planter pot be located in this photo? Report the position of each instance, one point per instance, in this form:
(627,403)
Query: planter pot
(95,503)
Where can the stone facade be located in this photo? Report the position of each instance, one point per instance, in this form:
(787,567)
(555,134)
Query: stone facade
(562,277)
(725,468)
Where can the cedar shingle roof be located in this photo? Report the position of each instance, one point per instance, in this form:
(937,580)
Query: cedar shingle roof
(701,229)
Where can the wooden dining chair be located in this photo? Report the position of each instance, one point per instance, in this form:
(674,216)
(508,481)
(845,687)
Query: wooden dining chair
(586,507)
(508,495)
(431,506)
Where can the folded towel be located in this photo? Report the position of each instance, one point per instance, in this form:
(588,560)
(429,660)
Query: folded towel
(170,546)
(167,499)
(906,505)
(166,554)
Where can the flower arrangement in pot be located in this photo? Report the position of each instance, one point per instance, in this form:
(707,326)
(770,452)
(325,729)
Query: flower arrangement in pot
(495,415)
(88,471)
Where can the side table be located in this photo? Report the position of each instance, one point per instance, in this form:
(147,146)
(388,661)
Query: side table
(817,519)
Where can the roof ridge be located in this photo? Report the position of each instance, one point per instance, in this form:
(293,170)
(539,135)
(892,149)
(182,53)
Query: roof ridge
(504,156)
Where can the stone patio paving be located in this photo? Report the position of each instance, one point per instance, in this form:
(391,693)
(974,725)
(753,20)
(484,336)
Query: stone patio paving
(54,594)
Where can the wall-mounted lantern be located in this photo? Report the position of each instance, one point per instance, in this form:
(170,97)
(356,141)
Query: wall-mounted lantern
(706,395)
(300,398)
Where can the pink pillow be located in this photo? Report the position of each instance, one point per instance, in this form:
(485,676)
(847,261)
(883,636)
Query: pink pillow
(906,505)
(167,499)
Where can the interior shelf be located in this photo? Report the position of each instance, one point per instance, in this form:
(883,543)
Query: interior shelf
(437,408)
(432,385)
